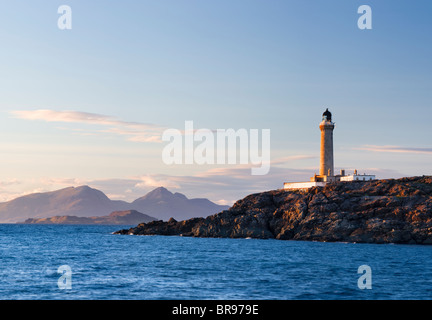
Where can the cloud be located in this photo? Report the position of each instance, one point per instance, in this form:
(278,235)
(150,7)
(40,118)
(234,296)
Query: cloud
(8,182)
(395,149)
(63,182)
(133,131)
(229,184)
(284,160)
(223,185)
(155,181)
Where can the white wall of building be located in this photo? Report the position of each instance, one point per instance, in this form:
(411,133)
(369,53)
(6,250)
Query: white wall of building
(303,185)
(358,177)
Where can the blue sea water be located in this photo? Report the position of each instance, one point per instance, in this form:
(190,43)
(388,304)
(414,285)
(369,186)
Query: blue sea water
(106,266)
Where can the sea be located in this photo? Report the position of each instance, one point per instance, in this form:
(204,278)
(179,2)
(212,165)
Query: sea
(89,262)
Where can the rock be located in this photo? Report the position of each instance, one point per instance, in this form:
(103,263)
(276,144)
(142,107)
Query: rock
(378,211)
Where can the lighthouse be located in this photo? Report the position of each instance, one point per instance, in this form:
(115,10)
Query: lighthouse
(326,168)
(326,158)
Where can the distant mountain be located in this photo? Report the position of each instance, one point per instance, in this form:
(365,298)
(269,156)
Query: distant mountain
(164,204)
(84,201)
(81,201)
(116,218)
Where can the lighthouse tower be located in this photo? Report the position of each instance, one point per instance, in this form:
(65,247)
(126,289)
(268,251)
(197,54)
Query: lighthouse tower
(326,158)
(326,170)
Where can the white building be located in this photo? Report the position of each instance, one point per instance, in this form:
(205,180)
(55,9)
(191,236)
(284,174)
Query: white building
(357,177)
(303,185)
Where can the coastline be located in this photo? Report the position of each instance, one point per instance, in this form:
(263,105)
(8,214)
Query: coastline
(379,211)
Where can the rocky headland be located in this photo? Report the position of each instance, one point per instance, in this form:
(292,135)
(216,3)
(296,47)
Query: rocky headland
(378,211)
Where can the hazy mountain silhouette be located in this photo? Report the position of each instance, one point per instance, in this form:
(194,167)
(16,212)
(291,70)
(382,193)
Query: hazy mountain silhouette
(164,204)
(116,217)
(84,201)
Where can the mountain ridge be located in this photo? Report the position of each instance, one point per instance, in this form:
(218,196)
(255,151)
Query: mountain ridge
(84,201)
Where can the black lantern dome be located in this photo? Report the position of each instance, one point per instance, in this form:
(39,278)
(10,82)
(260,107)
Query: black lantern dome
(327,116)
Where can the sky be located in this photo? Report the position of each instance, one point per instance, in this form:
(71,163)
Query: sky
(88,105)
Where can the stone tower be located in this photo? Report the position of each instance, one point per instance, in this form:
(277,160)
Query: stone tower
(327,174)
(326,159)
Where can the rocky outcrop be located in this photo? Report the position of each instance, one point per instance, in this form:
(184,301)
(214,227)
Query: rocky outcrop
(379,211)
